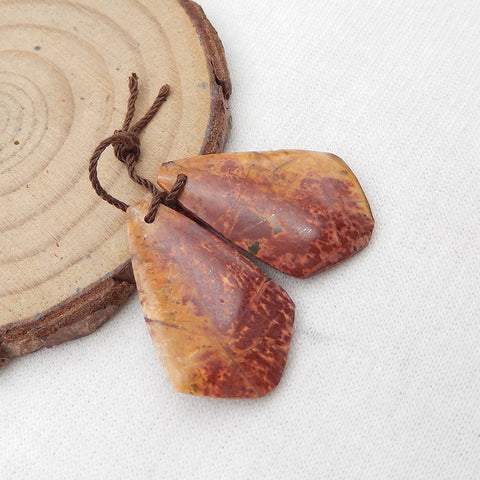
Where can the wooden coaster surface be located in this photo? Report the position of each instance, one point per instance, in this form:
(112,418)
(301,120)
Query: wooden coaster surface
(64,68)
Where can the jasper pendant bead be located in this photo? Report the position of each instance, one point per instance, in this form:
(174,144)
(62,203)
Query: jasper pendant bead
(300,212)
(220,326)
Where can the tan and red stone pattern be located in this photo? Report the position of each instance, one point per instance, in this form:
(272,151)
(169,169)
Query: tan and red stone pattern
(220,326)
(300,212)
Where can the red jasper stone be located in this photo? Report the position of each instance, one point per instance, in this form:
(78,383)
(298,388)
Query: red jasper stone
(300,212)
(220,326)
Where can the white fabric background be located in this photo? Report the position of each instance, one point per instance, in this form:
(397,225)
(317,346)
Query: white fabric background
(383,378)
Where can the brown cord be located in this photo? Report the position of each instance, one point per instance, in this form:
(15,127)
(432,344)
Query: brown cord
(166,199)
(126,146)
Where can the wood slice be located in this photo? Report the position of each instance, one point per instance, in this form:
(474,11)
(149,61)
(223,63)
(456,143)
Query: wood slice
(64,68)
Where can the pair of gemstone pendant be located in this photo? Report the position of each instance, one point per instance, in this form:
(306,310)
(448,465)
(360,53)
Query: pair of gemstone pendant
(220,326)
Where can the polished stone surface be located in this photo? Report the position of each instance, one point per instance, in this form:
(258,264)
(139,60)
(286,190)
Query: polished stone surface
(220,326)
(300,212)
